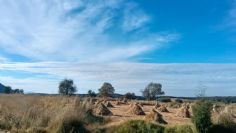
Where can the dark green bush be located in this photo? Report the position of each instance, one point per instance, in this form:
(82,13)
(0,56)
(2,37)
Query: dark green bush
(178,100)
(164,100)
(202,116)
(71,125)
(133,126)
(4,125)
(179,129)
(221,129)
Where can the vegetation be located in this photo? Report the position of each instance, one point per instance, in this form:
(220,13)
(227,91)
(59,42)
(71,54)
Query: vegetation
(129,96)
(71,125)
(179,100)
(61,114)
(134,126)
(67,87)
(179,129)
(107,90)
(9,90)
(202,116)
(50,114)
(164,99)
(91,93)
(152,91)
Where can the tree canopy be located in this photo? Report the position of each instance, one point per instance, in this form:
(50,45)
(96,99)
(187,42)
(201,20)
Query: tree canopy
(67,87)
(152,90)
(106,90)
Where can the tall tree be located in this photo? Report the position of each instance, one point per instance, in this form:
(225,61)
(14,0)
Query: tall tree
(7,90)
(67,87)
(106,90)
(152,90)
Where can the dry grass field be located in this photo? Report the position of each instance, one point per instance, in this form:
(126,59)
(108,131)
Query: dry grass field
(42,114)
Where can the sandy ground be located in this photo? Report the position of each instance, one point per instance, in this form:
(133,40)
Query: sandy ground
(121,114)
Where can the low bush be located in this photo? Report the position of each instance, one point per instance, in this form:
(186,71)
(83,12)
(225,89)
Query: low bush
(164,100)
(174,105)
(133,126)
(202,115)
(71,125)
(179,129)
(178,100)
(221,129)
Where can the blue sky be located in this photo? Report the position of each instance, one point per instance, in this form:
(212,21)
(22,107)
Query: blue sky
(129,43)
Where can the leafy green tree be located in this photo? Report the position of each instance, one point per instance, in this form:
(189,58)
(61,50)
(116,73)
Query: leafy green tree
(8,90)
(106,90)
(152,91)
(202,115)
(91,93)
(67,87)
(21,91)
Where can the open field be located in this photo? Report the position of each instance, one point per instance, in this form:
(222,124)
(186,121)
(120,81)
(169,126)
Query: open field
(25,113)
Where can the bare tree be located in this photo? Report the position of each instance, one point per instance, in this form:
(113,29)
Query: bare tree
(200,92)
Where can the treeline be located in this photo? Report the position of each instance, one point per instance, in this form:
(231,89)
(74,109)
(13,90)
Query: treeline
(9,90)
(151,92)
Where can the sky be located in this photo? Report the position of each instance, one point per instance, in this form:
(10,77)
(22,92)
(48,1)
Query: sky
(181,44)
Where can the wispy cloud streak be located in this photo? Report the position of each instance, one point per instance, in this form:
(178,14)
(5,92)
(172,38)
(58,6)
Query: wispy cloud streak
(69,30)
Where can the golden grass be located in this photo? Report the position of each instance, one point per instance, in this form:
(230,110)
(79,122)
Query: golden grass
(25,113)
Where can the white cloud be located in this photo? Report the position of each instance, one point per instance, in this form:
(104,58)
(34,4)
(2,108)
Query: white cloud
(73,29)
(177,79)
(134,18)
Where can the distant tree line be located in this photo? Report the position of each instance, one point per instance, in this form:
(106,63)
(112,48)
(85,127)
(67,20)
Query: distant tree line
(9,90)
(151,91)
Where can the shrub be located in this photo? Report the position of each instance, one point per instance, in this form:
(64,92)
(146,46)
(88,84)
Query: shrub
(164,100)
(179,129)
(91,93)
(202,116)
(4,125)
(178,100)
(174,105)
(134,126)
(220,129)
(226,120)
(37,130)
(71,125)
(129,95)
